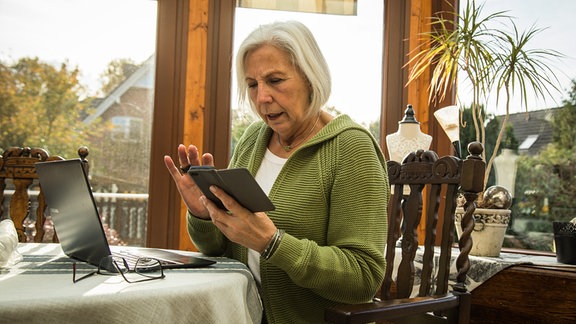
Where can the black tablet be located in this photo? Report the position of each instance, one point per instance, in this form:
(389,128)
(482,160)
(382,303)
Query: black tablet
(238,183)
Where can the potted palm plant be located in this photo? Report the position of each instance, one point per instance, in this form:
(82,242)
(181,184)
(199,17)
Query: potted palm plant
(492,58)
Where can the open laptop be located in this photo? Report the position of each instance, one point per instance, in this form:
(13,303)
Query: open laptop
(77,221)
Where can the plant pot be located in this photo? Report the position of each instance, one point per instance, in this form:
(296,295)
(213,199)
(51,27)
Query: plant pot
(489,230)
(565,241)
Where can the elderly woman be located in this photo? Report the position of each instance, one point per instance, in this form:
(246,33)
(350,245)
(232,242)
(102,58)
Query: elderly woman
(324,243)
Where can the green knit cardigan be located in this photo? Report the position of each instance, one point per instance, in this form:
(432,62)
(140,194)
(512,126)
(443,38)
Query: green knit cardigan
(331,198)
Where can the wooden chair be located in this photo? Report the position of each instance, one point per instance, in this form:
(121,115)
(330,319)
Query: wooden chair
(18,165)
(434,186)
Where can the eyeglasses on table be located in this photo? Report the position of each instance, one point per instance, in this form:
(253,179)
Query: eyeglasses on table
(144,269)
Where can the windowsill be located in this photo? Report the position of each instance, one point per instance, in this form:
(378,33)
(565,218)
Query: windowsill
(528,252)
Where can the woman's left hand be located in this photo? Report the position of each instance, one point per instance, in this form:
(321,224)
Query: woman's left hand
(238,224)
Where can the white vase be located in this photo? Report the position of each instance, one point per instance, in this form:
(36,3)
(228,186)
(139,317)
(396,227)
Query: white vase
(489,230)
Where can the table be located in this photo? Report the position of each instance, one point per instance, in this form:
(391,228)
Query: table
(526,293)
(515,288)
(40,288)
(484,268)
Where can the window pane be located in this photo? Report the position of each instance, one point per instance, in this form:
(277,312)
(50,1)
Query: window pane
(542,185)
(352,45)
(336,7)
(82,73)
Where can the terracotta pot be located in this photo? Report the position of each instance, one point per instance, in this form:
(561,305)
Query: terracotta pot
(489,230)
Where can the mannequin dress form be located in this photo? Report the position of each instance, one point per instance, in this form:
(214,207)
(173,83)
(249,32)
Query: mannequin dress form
(408,138)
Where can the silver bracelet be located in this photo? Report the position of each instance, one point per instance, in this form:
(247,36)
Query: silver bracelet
(272,244)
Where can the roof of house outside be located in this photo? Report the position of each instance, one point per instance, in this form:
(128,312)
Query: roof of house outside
(532,129)
(143,77)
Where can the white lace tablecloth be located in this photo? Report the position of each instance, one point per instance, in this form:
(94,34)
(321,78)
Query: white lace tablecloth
(39,289)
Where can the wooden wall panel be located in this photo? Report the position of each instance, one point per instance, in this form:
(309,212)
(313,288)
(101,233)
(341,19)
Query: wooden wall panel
(195,99)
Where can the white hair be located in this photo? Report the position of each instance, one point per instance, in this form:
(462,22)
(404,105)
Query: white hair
(295,39)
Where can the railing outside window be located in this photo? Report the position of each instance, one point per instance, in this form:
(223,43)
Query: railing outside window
(124,216)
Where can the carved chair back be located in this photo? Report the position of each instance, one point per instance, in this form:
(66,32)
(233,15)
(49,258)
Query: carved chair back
(434,186)
(416,286)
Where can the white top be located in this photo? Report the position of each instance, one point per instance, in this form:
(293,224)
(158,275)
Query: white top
(266,176)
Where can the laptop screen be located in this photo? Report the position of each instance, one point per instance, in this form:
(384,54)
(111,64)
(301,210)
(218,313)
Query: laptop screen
(73,210)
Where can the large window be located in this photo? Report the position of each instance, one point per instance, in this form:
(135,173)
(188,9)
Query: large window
(86,69)
(30,29)
(542,187)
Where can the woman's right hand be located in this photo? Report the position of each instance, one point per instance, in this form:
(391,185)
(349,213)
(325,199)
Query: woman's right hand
(187,188)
